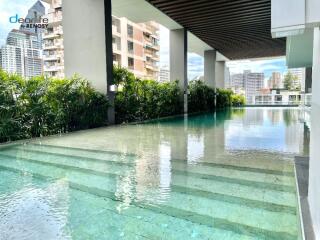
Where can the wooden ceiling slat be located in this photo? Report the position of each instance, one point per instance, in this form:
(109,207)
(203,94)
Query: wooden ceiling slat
(220,11)
(214,5)
(239,29)
(245,19)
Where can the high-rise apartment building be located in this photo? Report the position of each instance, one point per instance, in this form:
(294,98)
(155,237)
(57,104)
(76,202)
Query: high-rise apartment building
(237,80)
(53,50)
(254,82)
(22,54)
(164,75)
(136,47)
(237,83)
(275,81)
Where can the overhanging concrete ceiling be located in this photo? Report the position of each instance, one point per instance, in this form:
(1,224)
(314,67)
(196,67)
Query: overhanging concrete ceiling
(239,29)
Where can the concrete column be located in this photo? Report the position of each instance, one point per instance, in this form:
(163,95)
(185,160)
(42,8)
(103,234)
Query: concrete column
(109,59)
(220,74)
(308,81)
(314,165)
(179,62)
(210,68)
(87,39)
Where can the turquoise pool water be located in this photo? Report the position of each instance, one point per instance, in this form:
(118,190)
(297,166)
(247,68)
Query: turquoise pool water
(222,176)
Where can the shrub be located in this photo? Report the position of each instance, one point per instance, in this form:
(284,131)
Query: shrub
(224,98)
(201,97)
(138,100)
(42,106)
(237,100)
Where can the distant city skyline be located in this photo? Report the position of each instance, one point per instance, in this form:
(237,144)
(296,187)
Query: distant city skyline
(266,66)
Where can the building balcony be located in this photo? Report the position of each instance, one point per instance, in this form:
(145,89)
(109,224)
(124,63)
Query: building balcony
(49,46)
(116,49)
(152,46)
(151,67)
(156,58)
(52,35)
(115,31)
(155,36)
(52,46)
(54,19)
(50,58)
(53,68)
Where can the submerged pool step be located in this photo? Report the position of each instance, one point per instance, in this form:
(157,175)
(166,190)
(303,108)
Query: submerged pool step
(284,172)
(83,206)
(243,187)
(258,198)
(242,173)
(239,215)
(236,190)
(227,161)
(266,180)
(91,215)
(143,221)
(236,187)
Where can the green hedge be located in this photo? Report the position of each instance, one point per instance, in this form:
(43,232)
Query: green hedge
(42,106)
(224,98)
(227,98)
(138,100)
(201,97)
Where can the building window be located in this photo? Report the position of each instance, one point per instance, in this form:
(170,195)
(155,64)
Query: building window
(155,41)
(130,63)
(130,31)
(130,47)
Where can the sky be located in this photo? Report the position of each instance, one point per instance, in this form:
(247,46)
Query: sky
(195,62)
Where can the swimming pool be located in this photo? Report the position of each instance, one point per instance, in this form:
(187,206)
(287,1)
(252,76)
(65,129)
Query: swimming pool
(226,175)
